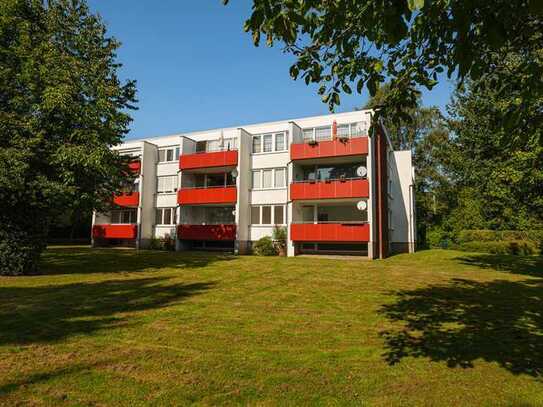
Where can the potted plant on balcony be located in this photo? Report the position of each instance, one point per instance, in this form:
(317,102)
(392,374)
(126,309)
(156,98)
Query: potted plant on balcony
(280,240)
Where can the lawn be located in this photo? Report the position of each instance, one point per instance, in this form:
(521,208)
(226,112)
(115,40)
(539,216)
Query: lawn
(127,328)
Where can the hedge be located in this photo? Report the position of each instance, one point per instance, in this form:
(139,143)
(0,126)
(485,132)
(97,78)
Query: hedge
(535,236)
(516,247)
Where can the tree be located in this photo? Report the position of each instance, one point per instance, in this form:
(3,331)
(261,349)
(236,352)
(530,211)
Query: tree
(423,132)
(346,45)
(500,167)
(62,106)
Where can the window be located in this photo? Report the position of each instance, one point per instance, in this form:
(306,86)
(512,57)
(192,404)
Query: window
(308,134)
(165,216)
(255,215)
(167,155)
(268,143)
(278,214)
(269,178)
(124,216)
(268,215)
(280,142)
(201,146)
(257,141)
(323,133)
(167,184)
(280,177)
(256,179)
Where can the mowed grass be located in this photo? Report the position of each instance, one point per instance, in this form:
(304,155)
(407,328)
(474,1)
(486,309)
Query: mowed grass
(127,328)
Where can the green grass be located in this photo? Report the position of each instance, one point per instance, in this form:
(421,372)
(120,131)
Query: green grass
(127,328)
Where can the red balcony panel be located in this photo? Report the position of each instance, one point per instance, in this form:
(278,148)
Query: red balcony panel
(115,231)
(135,166)
(206,232)
(207,160)
(129,200)
(214,195)
(351,188)
(330,232)
(329,148)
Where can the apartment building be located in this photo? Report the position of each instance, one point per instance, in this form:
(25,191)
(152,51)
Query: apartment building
(335,186)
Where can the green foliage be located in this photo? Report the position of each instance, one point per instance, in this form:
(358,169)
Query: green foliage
(534,236)
(62,107)
(348,45)
(264,247)
(515,247)
(155,244)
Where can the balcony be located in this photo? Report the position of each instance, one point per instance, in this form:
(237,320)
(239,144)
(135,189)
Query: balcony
(129,199)
(123,231)
(226,158)
(219,232)
(329,189)
(209,195)
(329,148)
(330,232)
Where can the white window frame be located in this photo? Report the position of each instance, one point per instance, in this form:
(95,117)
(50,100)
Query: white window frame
(272,215)
(175,186)
(261,177)
(273,144)
(175,151)
(133,213)
(352,133)
(172,214)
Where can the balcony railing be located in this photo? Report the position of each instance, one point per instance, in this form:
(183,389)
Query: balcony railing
(330,189)
(225,158)
(110,231)
(210,195)
(330,232)
(329,148)
(129,199)
(218,232)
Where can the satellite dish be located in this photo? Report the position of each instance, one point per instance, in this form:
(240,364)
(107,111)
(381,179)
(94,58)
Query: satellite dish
(361,171)
(361,205)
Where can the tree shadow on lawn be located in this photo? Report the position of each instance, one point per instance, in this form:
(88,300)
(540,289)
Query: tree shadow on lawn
(527,265)
(51,313)
(498,321)
(81,260)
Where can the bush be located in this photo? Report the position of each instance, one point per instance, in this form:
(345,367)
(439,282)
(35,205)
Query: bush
(164,243)
(437,237)
(515,247)
(280,239)
(265,247)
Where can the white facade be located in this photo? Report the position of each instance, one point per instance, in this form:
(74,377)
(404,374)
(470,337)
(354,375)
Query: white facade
(227,188)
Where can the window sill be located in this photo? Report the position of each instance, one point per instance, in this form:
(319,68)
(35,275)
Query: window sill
(268,225)
(168,162)
(270,152)
(268,189)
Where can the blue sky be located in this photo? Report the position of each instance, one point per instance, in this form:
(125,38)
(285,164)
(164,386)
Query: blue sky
(197,69)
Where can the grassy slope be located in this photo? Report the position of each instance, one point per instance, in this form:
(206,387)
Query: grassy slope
(119,327)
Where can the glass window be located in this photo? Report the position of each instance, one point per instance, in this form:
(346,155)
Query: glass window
(256,180)
(280,177)
(267,143)
(267,180)
(307,214)
(215,180)
(257,148)
(201,146)
(167,216)
(176,157)
(255,215)
(280,142)
(158,217)
(161,156)
(125,217)
(266,215)
(169,155)
(323,133)
(308,134)
(115,217)
(167,184)
(278,214)
(343,130)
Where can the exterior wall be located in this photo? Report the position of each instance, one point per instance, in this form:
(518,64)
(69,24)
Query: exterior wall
(399,198)
(401,224)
